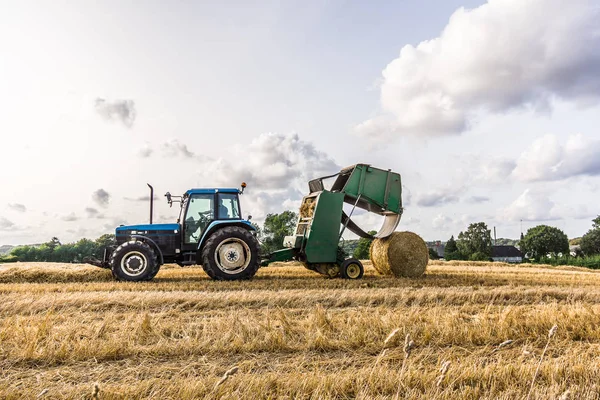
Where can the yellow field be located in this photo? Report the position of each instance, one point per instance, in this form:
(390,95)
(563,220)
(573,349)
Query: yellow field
(295,334)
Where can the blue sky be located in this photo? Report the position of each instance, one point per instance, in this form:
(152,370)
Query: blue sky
(488,110)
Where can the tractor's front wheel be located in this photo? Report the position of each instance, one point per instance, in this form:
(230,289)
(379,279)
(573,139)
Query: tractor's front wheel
(134,261)
(231,253)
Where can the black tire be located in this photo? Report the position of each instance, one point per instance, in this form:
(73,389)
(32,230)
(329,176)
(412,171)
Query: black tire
(351,268)
(153,274)
(134,261)
(238,243)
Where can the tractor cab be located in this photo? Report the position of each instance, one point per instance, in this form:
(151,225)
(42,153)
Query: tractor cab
(203,209)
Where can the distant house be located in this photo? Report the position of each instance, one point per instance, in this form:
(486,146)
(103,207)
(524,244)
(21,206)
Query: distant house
(438,246)
(508,254)
(575,250)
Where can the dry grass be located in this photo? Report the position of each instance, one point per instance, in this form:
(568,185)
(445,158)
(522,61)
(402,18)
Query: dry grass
(69,331)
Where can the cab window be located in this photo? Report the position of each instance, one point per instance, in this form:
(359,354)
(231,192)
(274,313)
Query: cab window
(229,207)
(200,212)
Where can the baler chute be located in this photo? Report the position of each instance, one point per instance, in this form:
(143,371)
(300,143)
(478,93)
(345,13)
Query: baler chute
(371,189)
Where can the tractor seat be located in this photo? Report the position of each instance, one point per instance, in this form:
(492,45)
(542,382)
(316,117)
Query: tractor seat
(223,212)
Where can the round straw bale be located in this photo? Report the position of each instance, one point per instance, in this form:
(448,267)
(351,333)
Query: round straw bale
(402,254)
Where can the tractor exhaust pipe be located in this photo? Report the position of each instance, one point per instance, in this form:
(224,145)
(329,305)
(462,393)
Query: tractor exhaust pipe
(151,201)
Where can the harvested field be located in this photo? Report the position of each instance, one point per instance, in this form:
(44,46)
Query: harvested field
(295,334)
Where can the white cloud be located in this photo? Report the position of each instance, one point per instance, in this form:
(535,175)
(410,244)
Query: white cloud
(93,213)
(272,162)
(118,110)
(145,151)
(101,197)
(442,222)
(547,159)
(493,169)
(478,199)
(531,205)
(437,198)
(406,196)
(5,224)
(173,148)
(70,217)
(17,207)
(536,205)
(503,55)
(261,203)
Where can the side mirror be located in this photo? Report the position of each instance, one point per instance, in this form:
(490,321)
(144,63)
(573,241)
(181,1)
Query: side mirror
(169,200)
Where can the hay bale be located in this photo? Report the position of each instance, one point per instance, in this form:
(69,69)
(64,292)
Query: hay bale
(402,254)
(308,208)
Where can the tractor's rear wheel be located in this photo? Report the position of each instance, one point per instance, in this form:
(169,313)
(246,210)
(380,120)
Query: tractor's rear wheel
(231,253)
(134,261)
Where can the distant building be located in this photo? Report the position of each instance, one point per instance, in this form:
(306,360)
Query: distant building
(438,246)
(509,254)
(575,250)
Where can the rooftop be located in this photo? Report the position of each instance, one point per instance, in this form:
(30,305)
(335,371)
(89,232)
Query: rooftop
(506,251)
(212,190)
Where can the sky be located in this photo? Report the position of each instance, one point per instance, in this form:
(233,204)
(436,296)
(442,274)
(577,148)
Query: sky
(489,110)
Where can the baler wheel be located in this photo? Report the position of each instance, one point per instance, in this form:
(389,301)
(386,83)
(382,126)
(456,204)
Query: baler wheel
(352,269)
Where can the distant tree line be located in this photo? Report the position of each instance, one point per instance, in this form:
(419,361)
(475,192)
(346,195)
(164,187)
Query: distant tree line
(542,243)
(55,251)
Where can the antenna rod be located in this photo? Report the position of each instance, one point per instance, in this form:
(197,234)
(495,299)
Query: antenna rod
(151,201)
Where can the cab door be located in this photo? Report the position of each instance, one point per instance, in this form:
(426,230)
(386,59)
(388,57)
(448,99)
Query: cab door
(199,214)
(228,206)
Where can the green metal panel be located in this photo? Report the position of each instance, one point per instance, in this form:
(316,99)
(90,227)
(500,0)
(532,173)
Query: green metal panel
(379,190)
(323,235)
(280,255)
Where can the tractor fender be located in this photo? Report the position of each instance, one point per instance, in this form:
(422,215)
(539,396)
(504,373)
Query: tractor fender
(152,244)
(242,223)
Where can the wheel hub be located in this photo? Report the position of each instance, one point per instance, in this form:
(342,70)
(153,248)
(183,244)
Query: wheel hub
(232,255)
(353,271)
(133,263)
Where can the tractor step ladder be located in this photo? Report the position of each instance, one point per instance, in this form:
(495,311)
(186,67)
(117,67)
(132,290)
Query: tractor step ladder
(189,258)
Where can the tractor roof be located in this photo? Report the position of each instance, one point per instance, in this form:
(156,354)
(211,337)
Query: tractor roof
(213,190)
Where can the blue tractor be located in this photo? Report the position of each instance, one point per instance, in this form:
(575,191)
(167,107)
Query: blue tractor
(210,231)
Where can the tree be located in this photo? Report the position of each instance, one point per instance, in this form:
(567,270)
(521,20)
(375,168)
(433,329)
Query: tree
(84,248)
(26,253)
(275,228)
(590,242)
(362,248)
(476,242)
(53,243)
(104,241)
(451,250)
(55,251)
(543,240)
(433,255)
